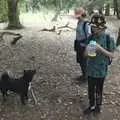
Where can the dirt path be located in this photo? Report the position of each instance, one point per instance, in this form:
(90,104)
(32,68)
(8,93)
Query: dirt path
(59,95)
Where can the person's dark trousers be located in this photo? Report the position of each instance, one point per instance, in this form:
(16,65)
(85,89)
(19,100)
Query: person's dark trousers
(95,90)
(83,64)
(81,59)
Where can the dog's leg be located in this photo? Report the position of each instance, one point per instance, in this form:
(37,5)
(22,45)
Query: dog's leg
(4,93)
(22,98)
(26,96)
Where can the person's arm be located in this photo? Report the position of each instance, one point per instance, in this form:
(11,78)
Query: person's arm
(104,51)
(86,52)
(86,46)
(88,29)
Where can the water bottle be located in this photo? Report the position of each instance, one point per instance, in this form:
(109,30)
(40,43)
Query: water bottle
(92,49)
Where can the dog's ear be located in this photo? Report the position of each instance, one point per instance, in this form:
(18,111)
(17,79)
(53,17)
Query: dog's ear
(5,76)
(34,70)
(24,71)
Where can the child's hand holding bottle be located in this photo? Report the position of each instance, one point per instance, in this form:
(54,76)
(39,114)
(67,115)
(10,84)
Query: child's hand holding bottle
(91,49)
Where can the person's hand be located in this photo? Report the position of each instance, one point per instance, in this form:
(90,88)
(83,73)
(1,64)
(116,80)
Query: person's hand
(98,47)
(111,55)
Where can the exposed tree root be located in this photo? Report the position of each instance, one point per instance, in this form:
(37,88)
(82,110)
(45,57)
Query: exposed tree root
(15,39)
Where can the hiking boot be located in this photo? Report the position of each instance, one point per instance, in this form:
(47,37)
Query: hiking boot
(89,110)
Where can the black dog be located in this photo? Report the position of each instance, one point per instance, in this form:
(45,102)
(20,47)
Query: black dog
(19,85)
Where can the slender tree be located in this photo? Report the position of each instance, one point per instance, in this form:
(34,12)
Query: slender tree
(107,9)
(117,9)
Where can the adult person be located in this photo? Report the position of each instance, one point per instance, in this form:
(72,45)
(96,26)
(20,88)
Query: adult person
(83,31)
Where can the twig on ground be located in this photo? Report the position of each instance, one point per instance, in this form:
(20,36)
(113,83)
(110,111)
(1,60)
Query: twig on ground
(59,32)
(33,94)
(50,30)
(54,29)
(63,26)
(66,26)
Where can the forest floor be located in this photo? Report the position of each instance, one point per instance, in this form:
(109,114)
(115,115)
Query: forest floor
(59,94)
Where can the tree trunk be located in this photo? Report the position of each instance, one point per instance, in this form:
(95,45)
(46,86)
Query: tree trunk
(101,10)
(13,15)
(61,4)
(58,9)
(117,8)
(118,39)
(27,7)
(56,15)
(90,9)
(114,13)
(107,10)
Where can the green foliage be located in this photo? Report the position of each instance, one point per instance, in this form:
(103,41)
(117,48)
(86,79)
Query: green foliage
(57,5)
(3,10)
(62,4)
